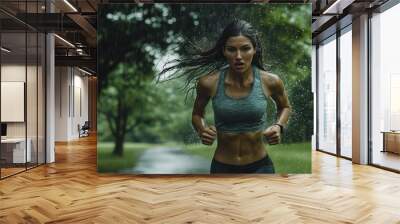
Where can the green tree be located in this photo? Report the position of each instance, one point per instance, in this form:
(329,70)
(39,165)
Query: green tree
(130,37)
(124,107)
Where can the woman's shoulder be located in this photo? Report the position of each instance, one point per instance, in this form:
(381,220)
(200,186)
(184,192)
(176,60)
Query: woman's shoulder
(271,81)
(209,81)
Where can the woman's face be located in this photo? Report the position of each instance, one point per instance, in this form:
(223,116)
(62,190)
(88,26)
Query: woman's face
(239,52)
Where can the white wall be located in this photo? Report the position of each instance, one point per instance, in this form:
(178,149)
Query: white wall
(71,94)
(13,72)
(62,81)
(80,110)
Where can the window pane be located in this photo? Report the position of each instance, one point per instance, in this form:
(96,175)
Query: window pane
(346,94)
(327,96)
(14,150)
(386,88)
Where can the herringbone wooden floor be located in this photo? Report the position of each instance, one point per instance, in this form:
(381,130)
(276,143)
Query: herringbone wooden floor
(71,191)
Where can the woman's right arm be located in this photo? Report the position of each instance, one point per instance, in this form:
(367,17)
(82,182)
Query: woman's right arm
(206,133)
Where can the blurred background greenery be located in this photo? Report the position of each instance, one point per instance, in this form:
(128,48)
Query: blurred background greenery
(136,114)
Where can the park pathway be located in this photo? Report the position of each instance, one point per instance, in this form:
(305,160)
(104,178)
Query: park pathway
(169,160)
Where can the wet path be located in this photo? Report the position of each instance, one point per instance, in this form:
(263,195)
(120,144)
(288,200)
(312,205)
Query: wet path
(169,160)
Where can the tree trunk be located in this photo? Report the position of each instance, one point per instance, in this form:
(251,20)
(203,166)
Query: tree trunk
(119,146)
(120,131)
(120,138)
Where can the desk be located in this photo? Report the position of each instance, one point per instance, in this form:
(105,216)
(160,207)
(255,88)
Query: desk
(13,150)
(391,141)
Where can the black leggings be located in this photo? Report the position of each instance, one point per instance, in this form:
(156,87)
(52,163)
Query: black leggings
(264,165)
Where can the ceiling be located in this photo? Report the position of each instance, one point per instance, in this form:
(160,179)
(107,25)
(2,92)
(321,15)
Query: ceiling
(332,15)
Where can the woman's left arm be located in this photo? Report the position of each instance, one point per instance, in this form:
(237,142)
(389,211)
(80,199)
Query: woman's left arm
(279,96)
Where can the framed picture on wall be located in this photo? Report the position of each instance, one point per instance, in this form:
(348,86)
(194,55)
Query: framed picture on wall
(12,101)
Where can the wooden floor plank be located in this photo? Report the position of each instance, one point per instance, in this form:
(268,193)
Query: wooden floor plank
(71,191)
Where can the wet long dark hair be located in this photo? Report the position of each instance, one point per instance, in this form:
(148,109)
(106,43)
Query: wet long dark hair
(198,62)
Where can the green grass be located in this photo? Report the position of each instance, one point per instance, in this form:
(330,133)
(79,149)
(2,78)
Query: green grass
(107,162)
(291,158)
(287,158)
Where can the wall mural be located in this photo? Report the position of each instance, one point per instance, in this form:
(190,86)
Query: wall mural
(204,88)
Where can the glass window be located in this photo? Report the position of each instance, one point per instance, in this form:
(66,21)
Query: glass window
(346,93)
(385,84)
(14,149)
(22,92)
(327,95)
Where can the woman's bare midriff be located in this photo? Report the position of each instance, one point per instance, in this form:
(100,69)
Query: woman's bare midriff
(240,149)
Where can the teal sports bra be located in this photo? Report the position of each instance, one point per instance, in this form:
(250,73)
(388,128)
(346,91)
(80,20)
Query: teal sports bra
(238,115)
